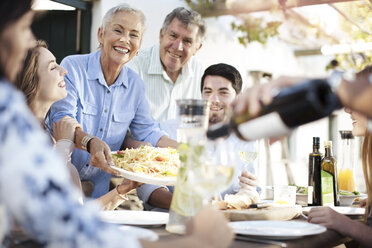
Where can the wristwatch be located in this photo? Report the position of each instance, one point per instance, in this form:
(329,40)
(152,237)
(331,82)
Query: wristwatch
(85,142)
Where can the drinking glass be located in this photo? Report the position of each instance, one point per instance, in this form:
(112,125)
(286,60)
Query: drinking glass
(247,157)
(285,194)
(215,173)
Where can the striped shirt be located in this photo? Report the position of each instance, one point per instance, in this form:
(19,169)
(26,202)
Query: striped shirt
(161,92)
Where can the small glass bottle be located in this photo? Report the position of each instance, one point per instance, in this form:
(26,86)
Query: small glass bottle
(315,162)
(346,179)
(329,177)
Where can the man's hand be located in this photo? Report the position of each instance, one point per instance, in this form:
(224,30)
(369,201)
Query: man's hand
(252,99)
(165,141)
(248,181)
(100,156)
(160,198)
(357,95)
(130,142)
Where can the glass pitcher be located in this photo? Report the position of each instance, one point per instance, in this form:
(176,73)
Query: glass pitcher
(346,178)
(192,118)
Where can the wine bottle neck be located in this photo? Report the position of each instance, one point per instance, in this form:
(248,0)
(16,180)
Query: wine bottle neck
(328,152)
(315,149)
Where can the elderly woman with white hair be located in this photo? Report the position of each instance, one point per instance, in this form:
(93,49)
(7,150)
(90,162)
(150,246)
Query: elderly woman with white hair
(35,188)
(107,98)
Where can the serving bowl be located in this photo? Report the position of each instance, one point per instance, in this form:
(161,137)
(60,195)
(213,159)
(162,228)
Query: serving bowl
(347,200)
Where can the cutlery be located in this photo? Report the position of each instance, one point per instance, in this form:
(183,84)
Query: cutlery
(305,216)
(263,241)
(260,205)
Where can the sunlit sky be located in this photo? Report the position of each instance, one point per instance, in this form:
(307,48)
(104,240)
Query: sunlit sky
(315,14)
(50,5)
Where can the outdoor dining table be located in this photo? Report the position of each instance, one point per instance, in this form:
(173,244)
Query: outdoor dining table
(329,238)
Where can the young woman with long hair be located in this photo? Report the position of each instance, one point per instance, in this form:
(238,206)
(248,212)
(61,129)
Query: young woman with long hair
(360,232)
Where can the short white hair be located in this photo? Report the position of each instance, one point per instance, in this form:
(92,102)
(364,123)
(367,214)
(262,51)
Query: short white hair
(122,8)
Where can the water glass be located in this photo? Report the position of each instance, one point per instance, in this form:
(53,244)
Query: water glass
(285,194)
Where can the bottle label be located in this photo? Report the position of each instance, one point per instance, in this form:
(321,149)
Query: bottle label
(270,125)
(327,188)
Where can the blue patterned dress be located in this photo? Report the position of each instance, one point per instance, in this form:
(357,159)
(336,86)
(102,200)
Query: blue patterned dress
(35,187)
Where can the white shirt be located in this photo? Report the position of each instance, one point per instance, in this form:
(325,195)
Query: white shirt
(161,92)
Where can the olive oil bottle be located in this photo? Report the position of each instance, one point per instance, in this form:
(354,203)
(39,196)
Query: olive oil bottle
(328,176)
(315,162)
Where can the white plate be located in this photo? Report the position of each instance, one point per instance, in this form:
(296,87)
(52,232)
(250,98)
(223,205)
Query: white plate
(169,181)
(140,233)
(131,217)
(145,178)
(342,210)
(347,200)
(279,230)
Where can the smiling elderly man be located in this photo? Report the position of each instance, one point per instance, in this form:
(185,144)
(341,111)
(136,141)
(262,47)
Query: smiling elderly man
(170,72)
(169,69)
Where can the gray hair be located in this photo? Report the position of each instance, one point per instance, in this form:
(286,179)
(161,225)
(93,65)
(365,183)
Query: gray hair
(122,8)
(187,17)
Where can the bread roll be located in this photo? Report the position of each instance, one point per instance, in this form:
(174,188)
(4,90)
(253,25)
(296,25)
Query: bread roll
(243,199)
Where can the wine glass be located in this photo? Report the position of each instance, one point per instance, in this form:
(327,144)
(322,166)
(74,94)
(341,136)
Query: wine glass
(247,156)
(215,173)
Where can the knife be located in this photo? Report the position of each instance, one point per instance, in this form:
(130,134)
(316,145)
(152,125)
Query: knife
(259,205)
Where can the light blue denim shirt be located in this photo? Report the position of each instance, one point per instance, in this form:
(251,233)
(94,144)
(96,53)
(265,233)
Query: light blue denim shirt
(104,111)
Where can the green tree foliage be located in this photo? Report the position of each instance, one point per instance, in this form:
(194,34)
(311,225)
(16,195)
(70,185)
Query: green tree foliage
(199,4)
(355,22)
(255,29)
(359,29)
(249,30)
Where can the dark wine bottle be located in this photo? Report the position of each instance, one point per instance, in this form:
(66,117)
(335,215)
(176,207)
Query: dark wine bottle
(315,162)
(291,107)
(328,175)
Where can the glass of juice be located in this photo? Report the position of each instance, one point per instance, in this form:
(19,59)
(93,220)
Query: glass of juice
(346,179)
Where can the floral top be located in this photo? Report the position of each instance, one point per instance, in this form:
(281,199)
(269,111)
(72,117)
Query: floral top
(35,186)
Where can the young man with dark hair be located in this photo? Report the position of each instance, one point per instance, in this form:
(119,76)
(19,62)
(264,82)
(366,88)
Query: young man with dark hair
(220,84)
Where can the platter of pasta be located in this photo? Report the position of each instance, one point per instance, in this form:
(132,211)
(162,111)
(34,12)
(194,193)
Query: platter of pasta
(152,165)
